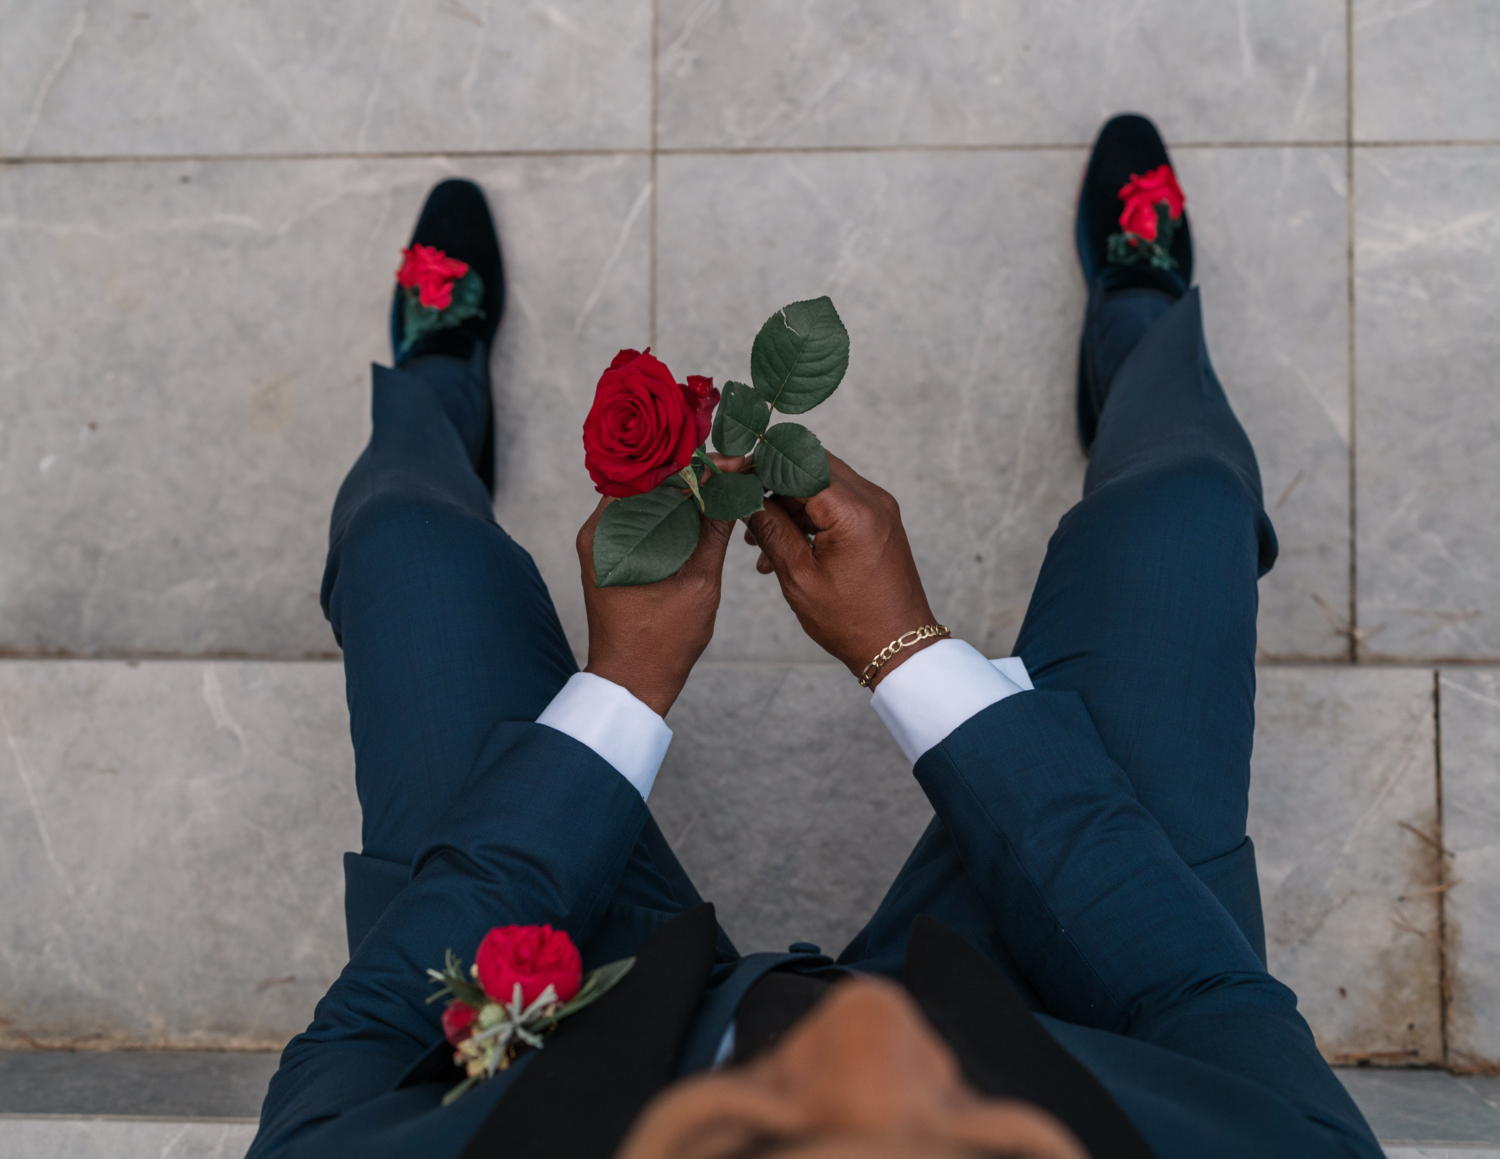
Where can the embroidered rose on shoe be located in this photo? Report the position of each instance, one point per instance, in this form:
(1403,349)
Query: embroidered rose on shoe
(431,273)
(524,981)
(644,425)
(1149,220)
(437,292)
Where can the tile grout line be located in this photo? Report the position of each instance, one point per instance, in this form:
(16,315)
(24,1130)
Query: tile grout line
(724,151)
(146,656)
(655,41)
(1350,308)
(1444,981)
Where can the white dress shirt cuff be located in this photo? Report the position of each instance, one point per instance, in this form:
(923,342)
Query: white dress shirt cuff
(939,688)
(600,714)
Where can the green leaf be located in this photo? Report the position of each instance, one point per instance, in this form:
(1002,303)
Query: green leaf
(418,320)
(741,419)
(791,461)
(645,538)
(728,496)
(455,983)
(596,983)
(800,356)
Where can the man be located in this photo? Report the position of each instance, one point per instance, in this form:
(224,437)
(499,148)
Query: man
(1072,960)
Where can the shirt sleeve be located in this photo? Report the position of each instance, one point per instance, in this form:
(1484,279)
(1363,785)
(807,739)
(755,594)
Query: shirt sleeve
(602,715)
(938,689)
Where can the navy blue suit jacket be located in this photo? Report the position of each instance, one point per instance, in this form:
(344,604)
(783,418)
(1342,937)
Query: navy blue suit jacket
(1140,970)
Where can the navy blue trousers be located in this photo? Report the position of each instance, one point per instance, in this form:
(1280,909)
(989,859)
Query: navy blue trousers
(1145,606)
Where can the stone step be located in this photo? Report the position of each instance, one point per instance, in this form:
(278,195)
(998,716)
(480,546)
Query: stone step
(204,1105)
(171,832)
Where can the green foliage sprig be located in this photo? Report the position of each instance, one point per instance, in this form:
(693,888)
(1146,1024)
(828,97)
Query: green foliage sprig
(418,320)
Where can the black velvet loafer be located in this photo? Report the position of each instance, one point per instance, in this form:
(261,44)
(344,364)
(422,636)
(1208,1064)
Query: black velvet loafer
(1127,147)
(456,219)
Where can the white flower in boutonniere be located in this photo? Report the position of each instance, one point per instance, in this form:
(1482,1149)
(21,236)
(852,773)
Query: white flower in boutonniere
(524,981)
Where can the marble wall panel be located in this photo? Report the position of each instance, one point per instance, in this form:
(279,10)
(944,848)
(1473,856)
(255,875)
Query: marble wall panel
(956,276)
(347,76)
(1470,699)
(1344,781)
(1271,255)
(1425,72)
(787,801)
(172,832)
(758,73)
(1427,276)
(184,377)
(171,836)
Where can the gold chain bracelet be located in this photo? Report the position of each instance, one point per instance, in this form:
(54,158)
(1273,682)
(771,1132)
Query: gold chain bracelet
(905,640)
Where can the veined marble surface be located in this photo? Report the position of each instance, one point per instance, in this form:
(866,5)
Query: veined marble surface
(200,209)
(172,832)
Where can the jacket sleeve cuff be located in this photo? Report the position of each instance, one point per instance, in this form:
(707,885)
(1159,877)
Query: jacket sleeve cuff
(938,689)
(600,714)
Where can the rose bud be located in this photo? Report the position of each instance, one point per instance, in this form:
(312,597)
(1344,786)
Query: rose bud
(534,956)
(458,1021)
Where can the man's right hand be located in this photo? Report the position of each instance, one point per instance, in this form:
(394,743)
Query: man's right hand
(855,588)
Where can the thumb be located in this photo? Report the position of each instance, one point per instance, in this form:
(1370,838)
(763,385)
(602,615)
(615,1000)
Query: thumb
(713,542)
(780,540)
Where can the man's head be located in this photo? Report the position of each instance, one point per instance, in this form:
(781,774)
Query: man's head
(862,1075)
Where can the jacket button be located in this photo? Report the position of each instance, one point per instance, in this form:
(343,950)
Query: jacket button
(804,948)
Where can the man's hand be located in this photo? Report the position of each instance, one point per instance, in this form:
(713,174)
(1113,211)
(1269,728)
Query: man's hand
(855,588)
(647,638)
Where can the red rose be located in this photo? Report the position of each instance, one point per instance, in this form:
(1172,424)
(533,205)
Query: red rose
(534,956)
(1141,195)
(457,1018)
(644,424)
(432,272)
(1139,218)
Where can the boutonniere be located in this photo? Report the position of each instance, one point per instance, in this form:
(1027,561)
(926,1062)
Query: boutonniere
(524,981)
(643,442)
(437,292)
(1153,209)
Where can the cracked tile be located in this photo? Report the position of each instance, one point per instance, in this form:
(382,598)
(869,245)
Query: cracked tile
(1470,700)
(1344,783)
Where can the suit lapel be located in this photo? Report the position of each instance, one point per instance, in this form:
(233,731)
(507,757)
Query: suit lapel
(580,1093)
(1003,1049)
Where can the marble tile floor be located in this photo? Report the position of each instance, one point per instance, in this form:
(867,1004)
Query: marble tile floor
(201,204)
